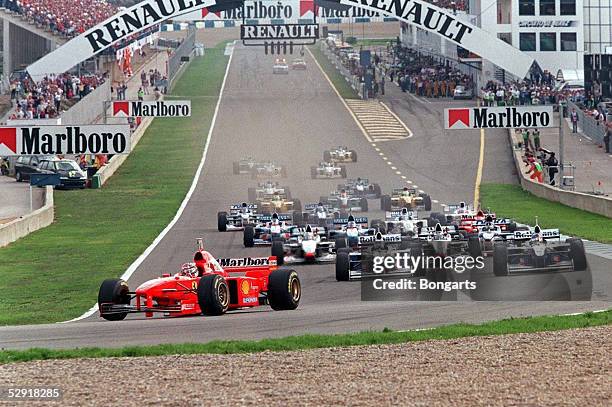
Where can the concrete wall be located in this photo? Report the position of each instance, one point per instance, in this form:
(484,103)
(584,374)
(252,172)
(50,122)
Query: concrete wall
(29,223)
(597,204)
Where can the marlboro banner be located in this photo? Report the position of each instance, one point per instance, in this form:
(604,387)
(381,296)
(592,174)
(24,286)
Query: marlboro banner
(52,140)
(509,117)
(159,108)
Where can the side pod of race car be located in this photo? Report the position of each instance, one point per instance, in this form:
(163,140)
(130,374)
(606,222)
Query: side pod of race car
(207,286)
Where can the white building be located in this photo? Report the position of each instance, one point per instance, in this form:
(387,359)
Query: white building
(598,26)
(549,30)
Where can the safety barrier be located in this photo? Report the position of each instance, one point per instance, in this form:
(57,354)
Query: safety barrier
(590,127)
(353,80)
(184,50)
(29,223)
(601,205)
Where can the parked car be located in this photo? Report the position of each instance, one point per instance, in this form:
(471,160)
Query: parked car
(71,175)
(461,92)
(28,164)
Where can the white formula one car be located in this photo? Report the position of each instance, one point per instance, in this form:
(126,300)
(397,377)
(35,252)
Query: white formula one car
(268,188)
(361,187)
(306,245)
(340,154)
(342,201)
(280,66)
(269,228)
(239,216)
(328,170)
(403,222)
(538,250)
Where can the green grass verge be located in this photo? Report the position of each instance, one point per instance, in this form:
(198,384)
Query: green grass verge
(54,274)
(512,202)
(507,326)
(341,85)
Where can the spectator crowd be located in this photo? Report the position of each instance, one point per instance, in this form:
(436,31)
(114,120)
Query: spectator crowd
(44,99)
(67,18)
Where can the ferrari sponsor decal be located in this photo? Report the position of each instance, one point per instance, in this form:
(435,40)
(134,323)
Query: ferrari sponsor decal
(250,300)
(159,108)
(510,117)
(245,262)
(245,287)
(46,140)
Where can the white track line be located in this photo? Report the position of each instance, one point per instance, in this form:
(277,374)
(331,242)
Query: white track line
(130,270)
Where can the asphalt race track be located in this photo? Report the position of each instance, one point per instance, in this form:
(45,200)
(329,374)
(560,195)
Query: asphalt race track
(291,119)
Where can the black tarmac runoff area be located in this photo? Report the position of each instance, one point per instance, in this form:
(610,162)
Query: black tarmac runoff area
(291,119)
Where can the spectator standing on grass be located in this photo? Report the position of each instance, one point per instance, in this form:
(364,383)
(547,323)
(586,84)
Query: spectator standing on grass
(574,119)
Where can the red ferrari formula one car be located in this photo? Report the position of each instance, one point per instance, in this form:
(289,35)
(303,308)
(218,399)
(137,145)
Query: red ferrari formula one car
(207,286)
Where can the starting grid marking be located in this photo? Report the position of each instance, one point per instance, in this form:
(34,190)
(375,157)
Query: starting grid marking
(378,121)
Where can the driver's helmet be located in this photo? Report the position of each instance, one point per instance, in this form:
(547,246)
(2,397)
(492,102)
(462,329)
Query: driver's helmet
(189,270)
(351,224)
(343,193)
(276,197)
(244,208)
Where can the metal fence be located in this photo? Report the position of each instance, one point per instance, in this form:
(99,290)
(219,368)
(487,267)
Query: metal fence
(183,50)
(590,127)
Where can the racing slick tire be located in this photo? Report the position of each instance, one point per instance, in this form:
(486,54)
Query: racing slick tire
(385,203)
(313,172)
(252,195)
(298,218)
(340,243)
(363,203)
(577,254)
(474,247)
(222,221)
(284,290)
(249,236)
(342,265)
(297,205)
(279,251)
(327,156)
(236,168)
(114,291)
(353,155)
(213,295)
(379,225)
(342,171)
(426,201)
(500,259)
